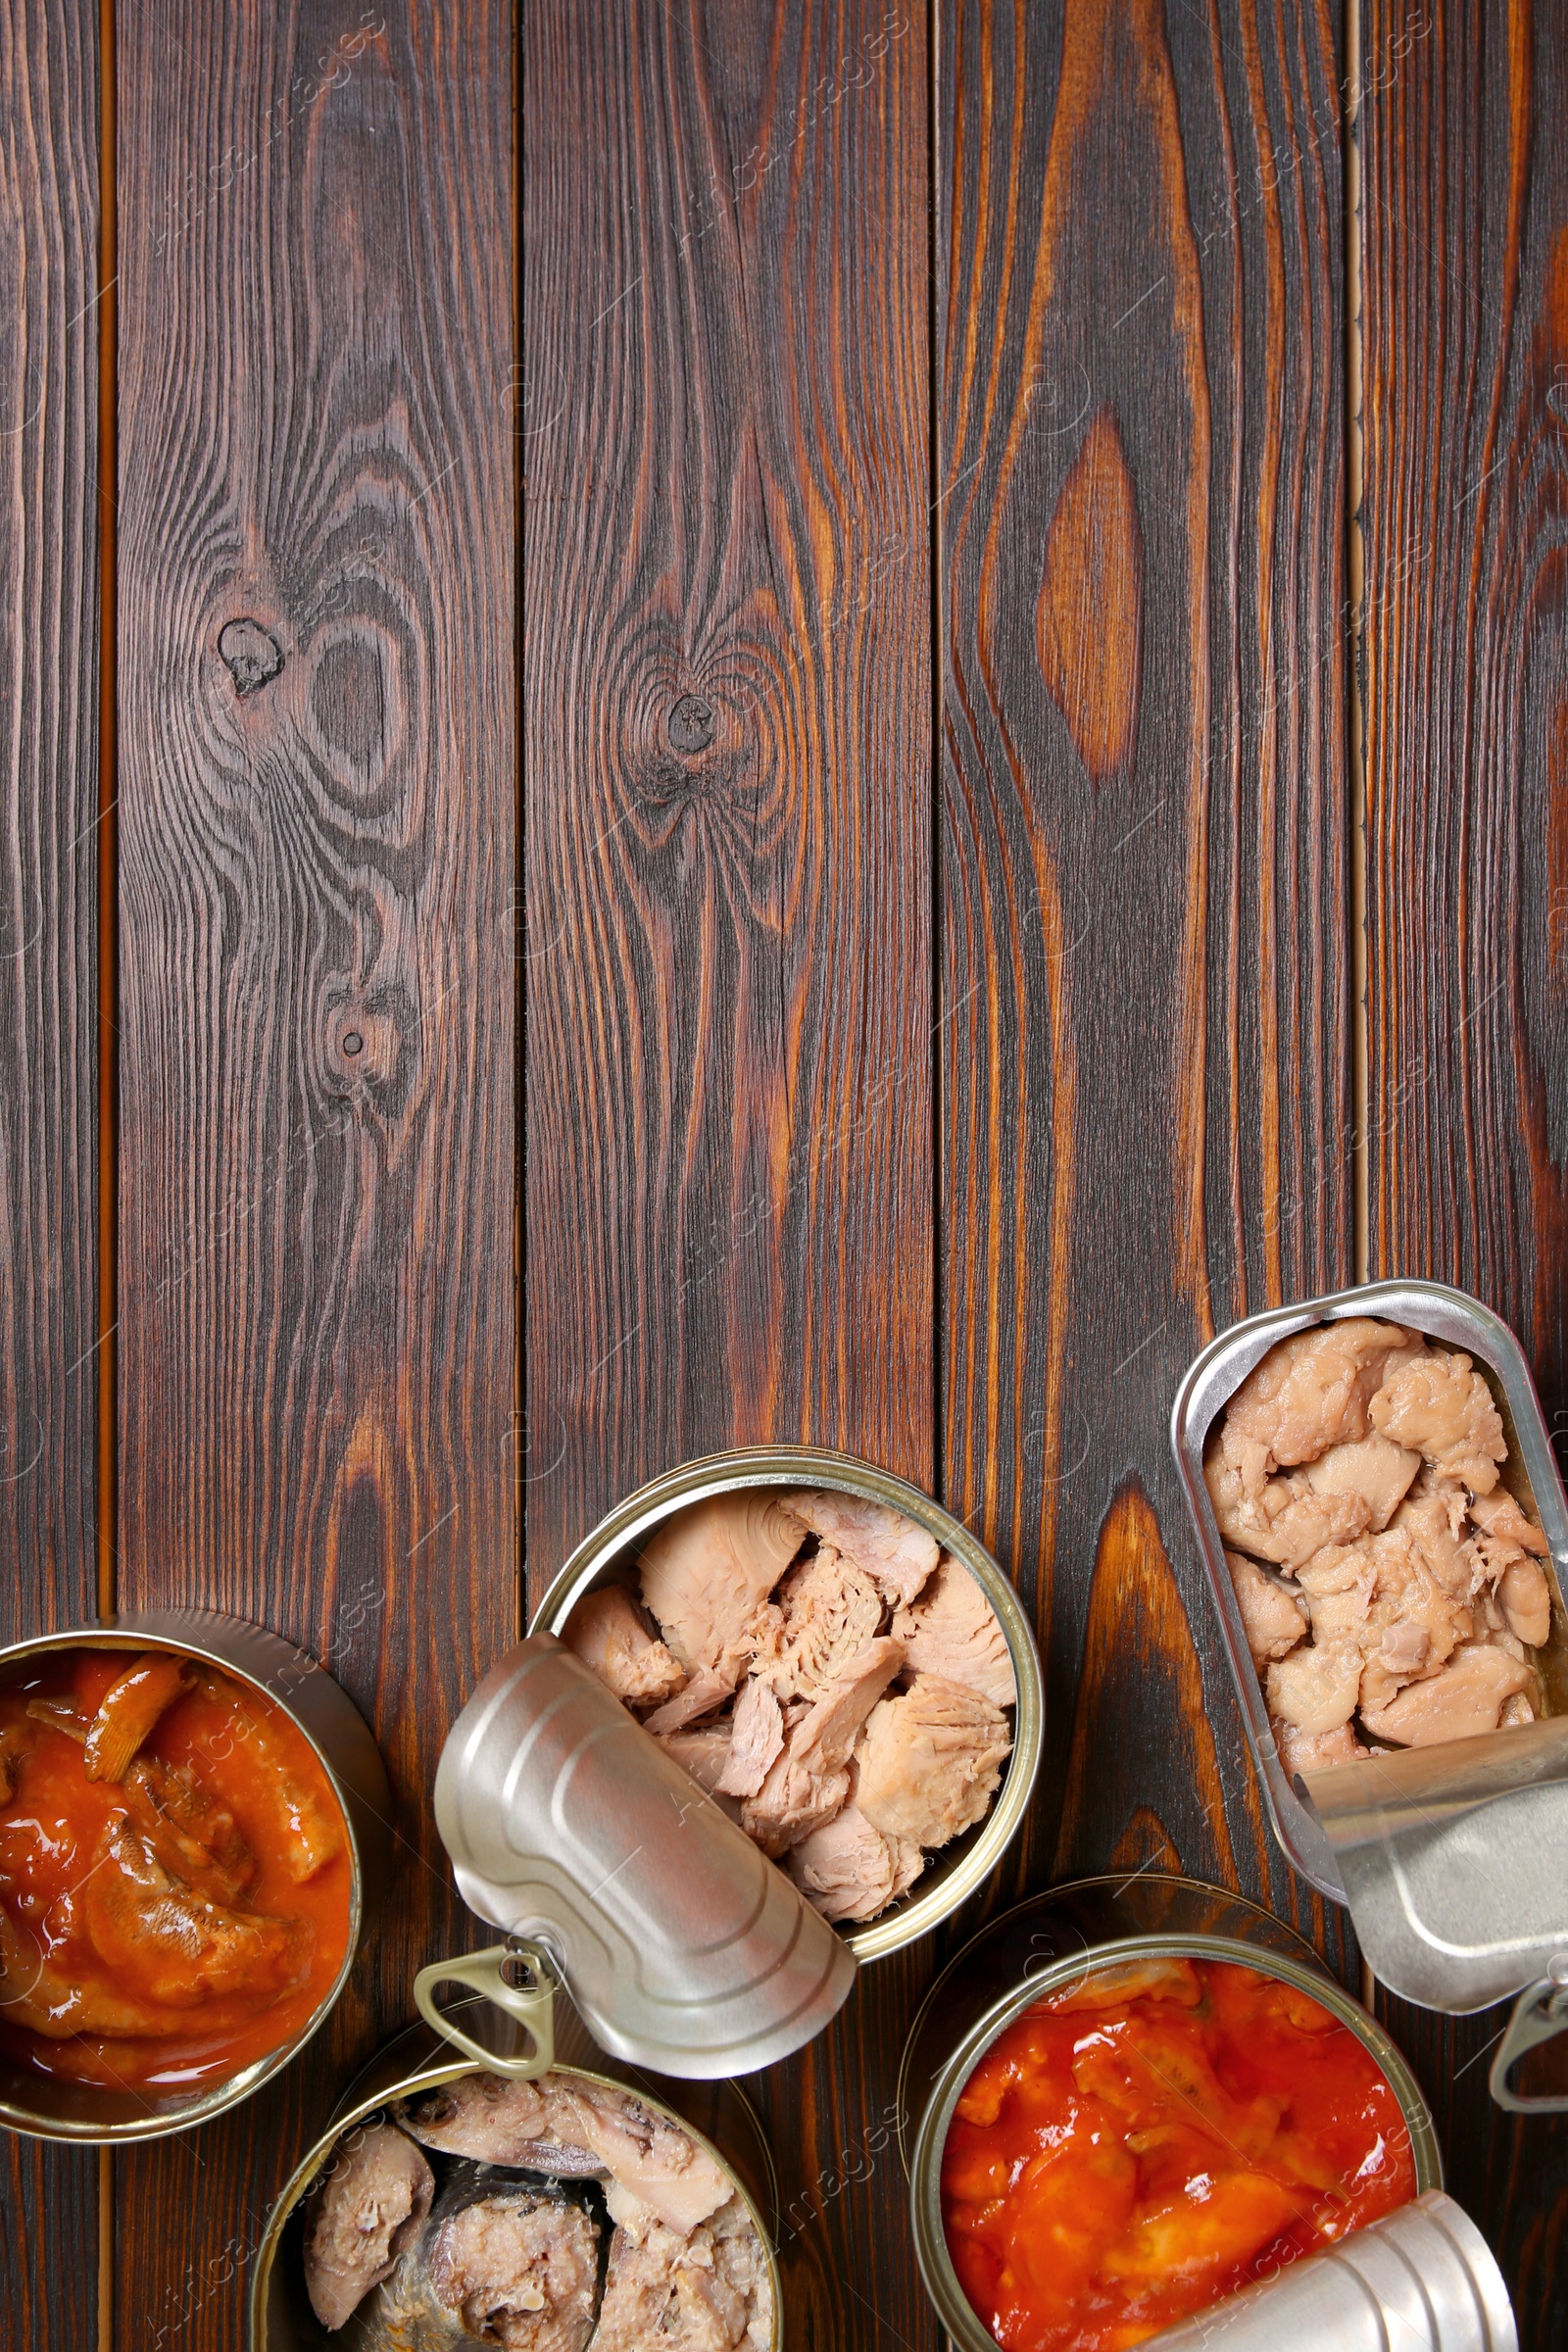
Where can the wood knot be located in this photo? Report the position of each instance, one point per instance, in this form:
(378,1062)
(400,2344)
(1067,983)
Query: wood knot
(364,1043)
(252,653)
(1090,621)
(689,725)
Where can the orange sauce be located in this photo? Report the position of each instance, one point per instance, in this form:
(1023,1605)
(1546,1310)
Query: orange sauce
(1132,2152)
(250,1762)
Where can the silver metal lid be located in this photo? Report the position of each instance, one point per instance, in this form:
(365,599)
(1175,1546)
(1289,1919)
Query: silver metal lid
(1452,1861)
(683,1948)
(1422,2280)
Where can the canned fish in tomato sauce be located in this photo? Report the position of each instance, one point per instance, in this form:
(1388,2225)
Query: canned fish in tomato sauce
(1220,2105)
(235,1821)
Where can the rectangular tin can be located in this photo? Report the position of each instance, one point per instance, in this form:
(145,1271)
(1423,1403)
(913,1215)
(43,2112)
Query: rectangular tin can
(1440,1313)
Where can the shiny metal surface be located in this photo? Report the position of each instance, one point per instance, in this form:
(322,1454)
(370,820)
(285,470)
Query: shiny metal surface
(683,1946)
(1442,1854)
(717,2115)
(1053,1942)
(1531,1472)
(1422,2280)
(348,1755)
(609,1553)
(1539,2014)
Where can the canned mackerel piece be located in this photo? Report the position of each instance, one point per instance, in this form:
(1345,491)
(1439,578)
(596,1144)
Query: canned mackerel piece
(441,2283)
(236,1813)
(611,1556)
(1092,1943)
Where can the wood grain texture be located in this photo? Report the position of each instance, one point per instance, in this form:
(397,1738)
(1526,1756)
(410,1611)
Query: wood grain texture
(317,779)
(49,547)
(1465,269)
(1145,1016)
(725,428)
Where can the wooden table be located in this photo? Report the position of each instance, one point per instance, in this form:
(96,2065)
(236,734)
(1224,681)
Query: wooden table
(680,765)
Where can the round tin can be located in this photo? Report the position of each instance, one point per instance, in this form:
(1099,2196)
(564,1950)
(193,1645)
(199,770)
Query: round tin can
(1053,1942)
(716,2114)
(605,1555)
(48,2108)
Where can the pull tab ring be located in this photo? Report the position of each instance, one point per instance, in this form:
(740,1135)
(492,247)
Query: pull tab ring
(1540,2014)
(485,1972)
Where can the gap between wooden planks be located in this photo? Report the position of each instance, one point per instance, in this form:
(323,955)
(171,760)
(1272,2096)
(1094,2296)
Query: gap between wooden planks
(108,1494)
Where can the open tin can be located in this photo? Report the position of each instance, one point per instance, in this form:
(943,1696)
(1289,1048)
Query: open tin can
(1050,1945)
(640,1920)
(607,1556)
(1438,1851)
(50,2107)
(717,2116)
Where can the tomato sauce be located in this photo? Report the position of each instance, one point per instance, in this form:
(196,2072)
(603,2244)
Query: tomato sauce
(1129,2153)
(164,1930)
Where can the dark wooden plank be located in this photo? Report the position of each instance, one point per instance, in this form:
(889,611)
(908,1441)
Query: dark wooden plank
(725,430)
(317,1337)
(1145,1017)
(49,552)
(1465,258)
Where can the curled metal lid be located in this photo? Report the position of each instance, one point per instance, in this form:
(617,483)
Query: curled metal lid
(1422,2280)
(683,1948)
(1452,1858)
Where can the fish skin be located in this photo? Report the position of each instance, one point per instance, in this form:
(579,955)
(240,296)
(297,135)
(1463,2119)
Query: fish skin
(16,1740)
(493,2119)
(141,1918)
(130,1709)
(433,2300)
(311,1836)
(44,2001)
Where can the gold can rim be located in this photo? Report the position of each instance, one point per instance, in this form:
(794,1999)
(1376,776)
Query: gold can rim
(637,1513)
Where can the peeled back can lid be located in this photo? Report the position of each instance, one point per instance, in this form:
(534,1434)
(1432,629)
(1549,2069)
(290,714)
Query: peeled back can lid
(683,1948)
(1422,2280)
